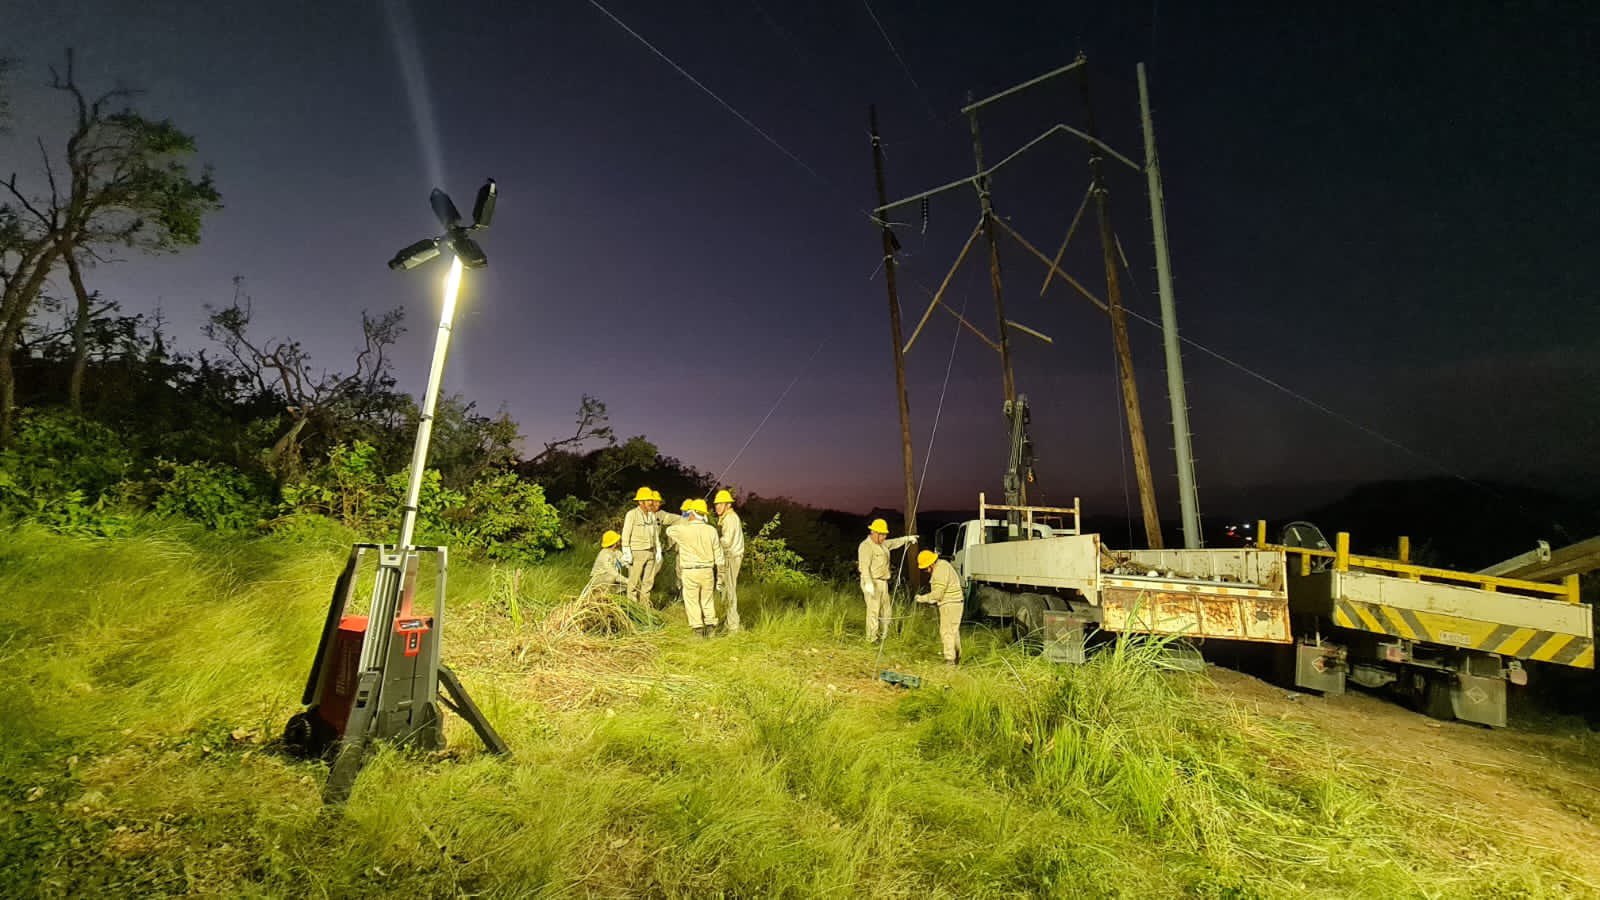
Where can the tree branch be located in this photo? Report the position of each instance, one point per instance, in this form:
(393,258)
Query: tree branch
(11,187)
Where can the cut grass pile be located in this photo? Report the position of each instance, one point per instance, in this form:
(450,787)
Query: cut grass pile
(143,679)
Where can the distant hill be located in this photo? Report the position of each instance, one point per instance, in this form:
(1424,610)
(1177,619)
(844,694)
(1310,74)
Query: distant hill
(1455,523)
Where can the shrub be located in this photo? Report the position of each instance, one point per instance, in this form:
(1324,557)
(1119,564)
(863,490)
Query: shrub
(348,487)
(499,515)
(216,496)
(61,472)
(509,519)
(770,560)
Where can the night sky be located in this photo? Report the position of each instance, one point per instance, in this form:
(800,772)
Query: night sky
(1392,214)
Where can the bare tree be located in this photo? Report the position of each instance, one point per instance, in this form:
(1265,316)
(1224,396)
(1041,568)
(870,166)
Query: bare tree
(593,425)
(126,184)
(283,369)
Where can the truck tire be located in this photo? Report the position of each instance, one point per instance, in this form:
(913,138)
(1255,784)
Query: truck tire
(1027,627)
(1434,701)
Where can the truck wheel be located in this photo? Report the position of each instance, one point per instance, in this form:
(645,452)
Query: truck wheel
(1435,699)
(1028,625)
(1281,664)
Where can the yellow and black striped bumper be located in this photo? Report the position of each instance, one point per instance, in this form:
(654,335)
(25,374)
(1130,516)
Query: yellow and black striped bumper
(1435,628)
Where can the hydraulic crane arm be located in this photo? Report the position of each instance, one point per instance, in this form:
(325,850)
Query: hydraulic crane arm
(1019,466)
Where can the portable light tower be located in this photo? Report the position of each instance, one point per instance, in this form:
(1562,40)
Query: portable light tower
(379,676)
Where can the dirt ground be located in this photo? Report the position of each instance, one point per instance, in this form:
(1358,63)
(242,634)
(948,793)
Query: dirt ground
(1538,779)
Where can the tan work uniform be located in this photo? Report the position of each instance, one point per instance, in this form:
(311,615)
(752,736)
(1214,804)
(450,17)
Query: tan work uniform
(699,558)
(733,550)
(872,560)
(606,573)
(665,520)
(642,536)
(944,590)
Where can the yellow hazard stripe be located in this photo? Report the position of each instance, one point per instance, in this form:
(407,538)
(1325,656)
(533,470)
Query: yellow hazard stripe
(1507,640)
(1342,615)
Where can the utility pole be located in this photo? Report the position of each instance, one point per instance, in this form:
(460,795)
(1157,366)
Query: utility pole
(1119,335)
(890,246)
(1176,392)
(982,184)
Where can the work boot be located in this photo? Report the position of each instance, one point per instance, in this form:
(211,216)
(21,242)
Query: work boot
(705,632)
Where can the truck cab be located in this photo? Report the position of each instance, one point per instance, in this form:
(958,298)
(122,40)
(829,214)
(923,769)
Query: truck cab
(954,540)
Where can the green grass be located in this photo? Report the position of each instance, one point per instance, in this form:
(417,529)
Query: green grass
(141,680)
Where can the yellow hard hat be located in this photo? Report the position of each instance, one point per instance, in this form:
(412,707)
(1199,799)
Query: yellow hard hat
(656,496)
(723,497)
(926,559)
(643,493)
(700,507)
(879,526)
(610,538)
(687,505)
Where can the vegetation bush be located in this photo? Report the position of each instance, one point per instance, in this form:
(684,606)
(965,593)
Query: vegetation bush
(768,559)
(498,515)
(217,496)
(61,471)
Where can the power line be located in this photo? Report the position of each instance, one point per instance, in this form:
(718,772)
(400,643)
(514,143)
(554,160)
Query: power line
(938,412)
(804,367)
(710,93)
(1320,407)
(921,94)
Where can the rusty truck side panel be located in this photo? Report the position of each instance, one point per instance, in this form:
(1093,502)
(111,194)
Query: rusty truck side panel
(1198,611)
(1233,594)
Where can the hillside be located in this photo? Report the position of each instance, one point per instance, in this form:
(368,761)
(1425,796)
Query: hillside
(145,679)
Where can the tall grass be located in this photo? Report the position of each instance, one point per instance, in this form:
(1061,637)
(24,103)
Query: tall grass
(141,678)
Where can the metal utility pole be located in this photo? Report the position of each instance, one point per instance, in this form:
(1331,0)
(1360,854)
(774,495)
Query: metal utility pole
(982,183)
(890,246)
(1176,392)
(1119,334)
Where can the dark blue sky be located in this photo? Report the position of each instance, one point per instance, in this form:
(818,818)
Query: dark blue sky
(1390,213)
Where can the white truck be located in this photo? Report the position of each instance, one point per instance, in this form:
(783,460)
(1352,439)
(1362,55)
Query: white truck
(1035,567)
(1448,640)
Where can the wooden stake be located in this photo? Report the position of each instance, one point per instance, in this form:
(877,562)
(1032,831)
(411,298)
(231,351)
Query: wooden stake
(1119,336)
(1087,294)
(913,574)
(1007,379)
(937,295)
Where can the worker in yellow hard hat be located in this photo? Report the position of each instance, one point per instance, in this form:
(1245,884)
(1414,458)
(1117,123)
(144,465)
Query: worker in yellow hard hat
(944,591)
(608,573)
(872,562)
(664,520)
(730,531)
(699,560)
(641,546)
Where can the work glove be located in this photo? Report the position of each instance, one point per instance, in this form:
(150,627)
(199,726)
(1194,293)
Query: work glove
(658,556)
(627,556)
(868,588)
(912,539)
